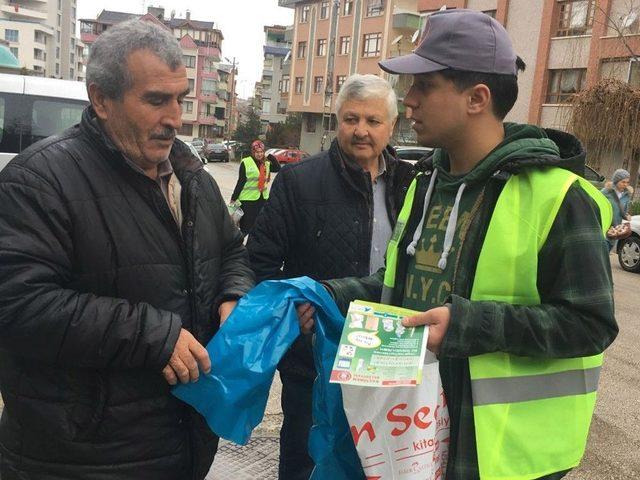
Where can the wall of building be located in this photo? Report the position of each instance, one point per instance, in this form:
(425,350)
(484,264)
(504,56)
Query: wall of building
(523,23)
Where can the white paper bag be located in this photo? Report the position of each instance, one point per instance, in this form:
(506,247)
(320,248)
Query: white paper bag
(401,432)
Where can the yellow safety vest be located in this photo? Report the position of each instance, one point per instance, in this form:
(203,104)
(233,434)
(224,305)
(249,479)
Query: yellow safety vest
(250,190)
(531,415)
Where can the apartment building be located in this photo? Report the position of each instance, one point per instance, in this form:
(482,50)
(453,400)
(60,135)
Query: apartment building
(568,45)
(41,35)
(275,74)
(206,108)
(355,35)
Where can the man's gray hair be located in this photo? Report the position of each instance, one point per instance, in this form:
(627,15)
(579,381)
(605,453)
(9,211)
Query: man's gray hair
(107,64)
(366,87)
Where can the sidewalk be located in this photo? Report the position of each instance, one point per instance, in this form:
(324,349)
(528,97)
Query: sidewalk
(259,459)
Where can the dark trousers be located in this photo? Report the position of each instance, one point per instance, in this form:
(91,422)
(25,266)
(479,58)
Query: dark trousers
(295,462)
(251,211)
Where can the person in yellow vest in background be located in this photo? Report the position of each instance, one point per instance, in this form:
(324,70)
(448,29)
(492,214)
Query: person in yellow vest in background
(501,246)
(252,188)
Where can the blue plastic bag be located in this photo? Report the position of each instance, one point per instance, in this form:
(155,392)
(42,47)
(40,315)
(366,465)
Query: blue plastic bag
(244,355)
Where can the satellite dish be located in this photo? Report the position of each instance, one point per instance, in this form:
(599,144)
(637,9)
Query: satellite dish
(415,36)
(396,40)
(287,56)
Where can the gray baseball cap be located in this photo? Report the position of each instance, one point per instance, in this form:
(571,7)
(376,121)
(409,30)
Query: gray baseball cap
(459,39)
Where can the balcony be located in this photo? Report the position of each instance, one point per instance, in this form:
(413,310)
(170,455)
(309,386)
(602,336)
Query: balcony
(289,3)
(206,119)
(406,20)
(18,12)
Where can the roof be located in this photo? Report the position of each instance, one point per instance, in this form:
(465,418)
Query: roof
(197,24)
(111,18)
(8,59)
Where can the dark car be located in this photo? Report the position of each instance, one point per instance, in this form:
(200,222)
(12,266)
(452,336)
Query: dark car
(217,152)
(594,177)
(412,153)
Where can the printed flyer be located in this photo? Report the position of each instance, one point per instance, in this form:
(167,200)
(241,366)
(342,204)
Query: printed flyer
(376,350)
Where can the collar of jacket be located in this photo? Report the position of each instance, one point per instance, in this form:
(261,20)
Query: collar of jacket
(183,163)
(353,173)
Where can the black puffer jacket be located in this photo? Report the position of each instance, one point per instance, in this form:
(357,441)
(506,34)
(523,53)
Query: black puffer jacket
(96,281)
(318,222)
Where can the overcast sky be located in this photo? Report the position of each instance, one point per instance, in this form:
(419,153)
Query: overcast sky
(241,23)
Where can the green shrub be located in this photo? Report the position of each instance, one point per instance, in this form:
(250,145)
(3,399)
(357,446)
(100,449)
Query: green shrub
(634,208)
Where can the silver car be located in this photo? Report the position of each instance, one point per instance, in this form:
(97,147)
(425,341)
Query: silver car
(629,248)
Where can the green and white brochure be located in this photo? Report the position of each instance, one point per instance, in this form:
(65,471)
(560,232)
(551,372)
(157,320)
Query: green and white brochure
(376,350)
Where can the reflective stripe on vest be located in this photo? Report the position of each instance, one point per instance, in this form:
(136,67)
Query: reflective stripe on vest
(531,415)
(250,191)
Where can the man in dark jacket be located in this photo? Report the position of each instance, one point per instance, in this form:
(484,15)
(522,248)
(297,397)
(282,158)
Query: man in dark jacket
(502,250)
(118,262)
(330,216)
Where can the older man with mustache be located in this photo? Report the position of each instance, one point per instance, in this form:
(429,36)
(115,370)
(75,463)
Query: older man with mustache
(330,216)
(118,262)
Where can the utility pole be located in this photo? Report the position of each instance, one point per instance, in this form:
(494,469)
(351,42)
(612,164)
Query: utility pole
(328,88)
(232,100)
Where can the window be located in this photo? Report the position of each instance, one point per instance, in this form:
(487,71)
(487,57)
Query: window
(72,58)
(575,17)
(345,45)
(284,84)
(14,50)
(298,85)
(321,48)
(187,107)
(57,69)
(59,4)
(304,13)
(192,85)
(39,54)
(73,14)
(189,61)
(59,19)
(347,7)
(372,43)
(375,8)
(311,123)
(317,84)
(51,117)
(11,35)
(266,105)
(58,36)
(324,10)
(71,73)
(302,49)
(57,52)
(209,66)
(491,13)
(340,79)
(563,84)
(209,86)
(185,130)
(330,124)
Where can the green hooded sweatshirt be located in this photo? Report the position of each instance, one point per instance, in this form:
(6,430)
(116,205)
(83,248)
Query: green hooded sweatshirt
(429,279)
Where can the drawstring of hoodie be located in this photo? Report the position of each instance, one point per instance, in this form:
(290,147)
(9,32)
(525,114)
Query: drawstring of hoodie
(451,229)
(411,248)
(451,224)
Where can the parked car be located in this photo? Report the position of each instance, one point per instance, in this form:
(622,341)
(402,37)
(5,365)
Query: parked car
(198,145)
(287,155)
(195,153)
(33,108)
(412,153)
(594,177)
(629,248)
(216,152)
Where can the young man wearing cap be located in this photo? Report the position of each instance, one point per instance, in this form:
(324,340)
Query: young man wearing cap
(502,249)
